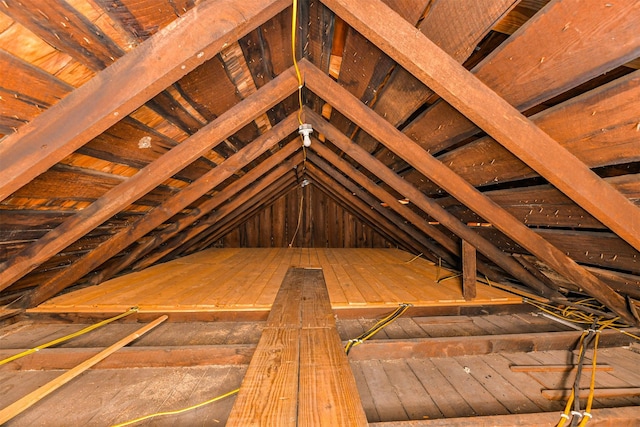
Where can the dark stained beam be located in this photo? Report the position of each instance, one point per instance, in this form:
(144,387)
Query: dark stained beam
(468,270)
(235,217)
(147,179)
(440,174)
(384,196)
(427,205)
(436,69)
(434,251)
(405,212)
(277,181)
(277,162)
(354,202)
(135,78)
(164,237)
(162,213)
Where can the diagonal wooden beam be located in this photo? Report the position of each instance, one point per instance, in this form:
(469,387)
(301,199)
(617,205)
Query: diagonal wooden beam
(162,213)
(277,162)
(241,208)
(405,212)
(354,202)
(399,222)
(384,196)
(135,78)
(427,205)
(436,69)
(431,168)
(164,237)
(148,178)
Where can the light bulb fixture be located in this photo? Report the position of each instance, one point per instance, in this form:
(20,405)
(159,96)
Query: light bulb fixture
(305,130)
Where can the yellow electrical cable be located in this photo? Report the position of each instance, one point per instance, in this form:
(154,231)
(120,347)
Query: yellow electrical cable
(178,411)
(295,233)
(68,337)
(592,384)
(294,25)
(567,409)
(380,324)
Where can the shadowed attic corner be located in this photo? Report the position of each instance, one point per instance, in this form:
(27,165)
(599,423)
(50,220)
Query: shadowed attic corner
(479,161)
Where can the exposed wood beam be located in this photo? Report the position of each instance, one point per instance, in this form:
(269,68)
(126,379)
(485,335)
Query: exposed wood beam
(162,237)
(405,212)
(148,178)
(384,196)
(133,357)
(468,270)
(357,208)
(354,203)
(477,345)
(434,252)
(431,168)
(278,180)
(427,205)
(162,213)
(276,162)
(247,210)
(112,94)
(436,69)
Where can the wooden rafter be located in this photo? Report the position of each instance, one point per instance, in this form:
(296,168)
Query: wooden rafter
(415,52)
(148,178)
(384,196)
(406,214)
(162,213)
(397,142)
(166,236)
(373,203)
(277,162)
(353,201)
(241,208)
(121,88)
(426,204)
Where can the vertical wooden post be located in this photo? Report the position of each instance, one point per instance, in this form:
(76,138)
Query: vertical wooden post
(468,270)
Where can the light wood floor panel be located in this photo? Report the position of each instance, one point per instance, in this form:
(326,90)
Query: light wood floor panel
(248,279)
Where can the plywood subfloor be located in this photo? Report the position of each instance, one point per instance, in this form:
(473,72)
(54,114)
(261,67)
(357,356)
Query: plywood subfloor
(248,279)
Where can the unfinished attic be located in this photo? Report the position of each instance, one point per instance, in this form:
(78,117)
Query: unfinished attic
(393,213)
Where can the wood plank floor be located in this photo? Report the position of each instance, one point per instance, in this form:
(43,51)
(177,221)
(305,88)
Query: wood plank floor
(248,279)
(483,385)
(391,389)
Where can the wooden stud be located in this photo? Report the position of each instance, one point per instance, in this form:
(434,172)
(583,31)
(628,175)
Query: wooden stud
(468,270)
